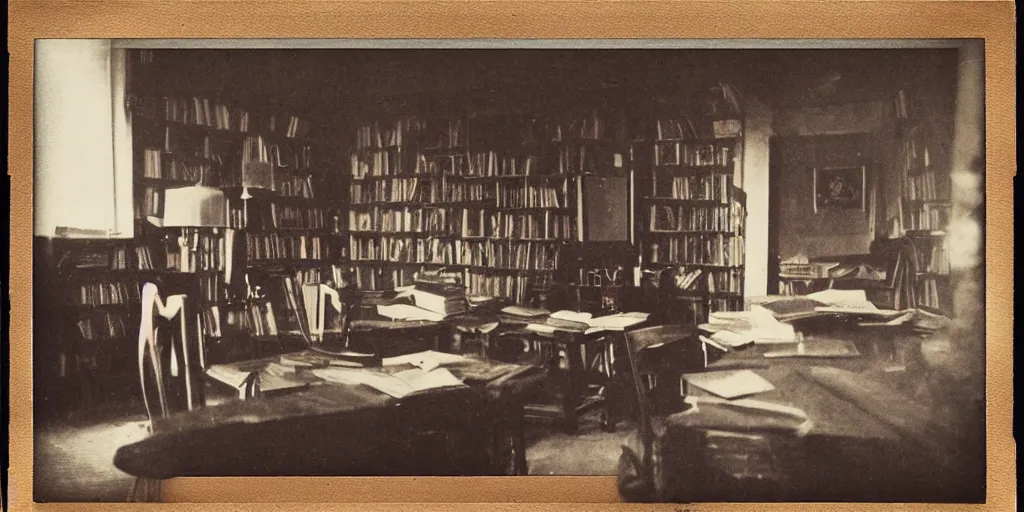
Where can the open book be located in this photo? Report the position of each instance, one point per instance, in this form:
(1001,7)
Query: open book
(398,385)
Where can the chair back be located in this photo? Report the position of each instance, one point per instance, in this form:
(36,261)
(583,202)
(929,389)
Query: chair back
(652,351)
(170,341)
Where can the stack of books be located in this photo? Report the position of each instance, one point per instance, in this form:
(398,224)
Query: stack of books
(443,299)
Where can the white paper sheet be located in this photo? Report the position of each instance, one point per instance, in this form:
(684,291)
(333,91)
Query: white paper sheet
(408,312)
(729,384)
(426,360)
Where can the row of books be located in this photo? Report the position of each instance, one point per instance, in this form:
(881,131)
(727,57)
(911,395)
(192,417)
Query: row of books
(684,218)
(928,217)
(114,258)
(211,322)
(257,149)
(544,225)
(515,287)
(207,251)
(106,293)
(927,186)
(439,133)
(693,155)
(203,112)
(297,217)
(706,249)
(150,202)
(710,187)
(478,253)
(397,220)
(256,319)
(274,246)
(710,280)
(928,293)
(290,185)
(103,325)
(938,260)
(335,275)
(373,278)
(211,288)
(158,164)
(181,141)
(531,196)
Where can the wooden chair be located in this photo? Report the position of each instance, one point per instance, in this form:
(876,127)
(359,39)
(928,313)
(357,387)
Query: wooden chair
(181,355)
(657,357)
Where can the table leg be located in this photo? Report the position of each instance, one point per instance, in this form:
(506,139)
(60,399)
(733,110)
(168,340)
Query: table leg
(574,375)
(519,440)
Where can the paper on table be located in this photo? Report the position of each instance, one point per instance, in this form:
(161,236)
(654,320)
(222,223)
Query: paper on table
(817,348)
(228,375)
(574,316)
(758,324)
(617,322)
(729,384)
(850,299)
(543,328)
(426,360)
(398,385)
(408,312)
(732,339)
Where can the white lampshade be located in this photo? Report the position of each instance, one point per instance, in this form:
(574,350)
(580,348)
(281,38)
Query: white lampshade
(195,207)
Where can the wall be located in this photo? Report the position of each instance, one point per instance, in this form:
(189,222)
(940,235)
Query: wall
(824,136)
(754,180)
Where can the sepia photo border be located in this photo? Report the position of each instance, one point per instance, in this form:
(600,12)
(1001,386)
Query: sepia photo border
(31,19)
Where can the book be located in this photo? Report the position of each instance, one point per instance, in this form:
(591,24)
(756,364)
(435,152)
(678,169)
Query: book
(398,385)
(525,312)
(730,383)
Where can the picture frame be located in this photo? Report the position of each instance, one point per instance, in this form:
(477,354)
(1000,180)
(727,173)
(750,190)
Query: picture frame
(840,189)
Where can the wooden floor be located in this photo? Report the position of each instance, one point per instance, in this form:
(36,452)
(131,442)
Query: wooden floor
(74,456)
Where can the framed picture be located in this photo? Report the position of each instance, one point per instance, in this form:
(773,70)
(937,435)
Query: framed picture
(840,188)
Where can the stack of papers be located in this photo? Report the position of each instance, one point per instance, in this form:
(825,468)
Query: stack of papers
(758,324)
(729,384)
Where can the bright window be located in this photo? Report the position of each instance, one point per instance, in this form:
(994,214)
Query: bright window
(83,172)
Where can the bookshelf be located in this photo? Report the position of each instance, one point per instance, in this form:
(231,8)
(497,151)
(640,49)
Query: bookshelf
(488,196)
(280,222)
(923,159)
(692,213)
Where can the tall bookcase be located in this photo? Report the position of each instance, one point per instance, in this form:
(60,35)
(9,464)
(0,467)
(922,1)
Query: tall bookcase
(923,159)
(488,196)
(693,214)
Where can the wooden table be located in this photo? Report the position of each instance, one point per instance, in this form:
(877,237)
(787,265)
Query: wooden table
(575,362)
(872,434)
(344,430)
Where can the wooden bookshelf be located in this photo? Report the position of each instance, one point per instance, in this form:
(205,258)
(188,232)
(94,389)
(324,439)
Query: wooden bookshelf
(472,193)
(923,158)
(692,215)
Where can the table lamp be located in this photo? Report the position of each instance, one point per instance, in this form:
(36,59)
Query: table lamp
(191,208)
(256,173)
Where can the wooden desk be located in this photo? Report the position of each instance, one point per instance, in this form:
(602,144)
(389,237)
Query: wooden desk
(344,430)
(872,435)
(576,363)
